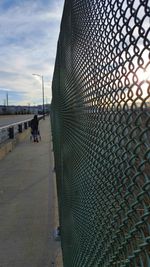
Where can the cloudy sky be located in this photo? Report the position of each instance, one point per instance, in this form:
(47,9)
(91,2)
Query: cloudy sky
(29,31)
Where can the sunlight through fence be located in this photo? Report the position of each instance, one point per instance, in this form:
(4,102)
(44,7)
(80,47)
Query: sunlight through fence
(101,132)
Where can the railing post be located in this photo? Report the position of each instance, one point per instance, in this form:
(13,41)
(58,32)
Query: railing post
(25,125)
(11,132)
(20,128)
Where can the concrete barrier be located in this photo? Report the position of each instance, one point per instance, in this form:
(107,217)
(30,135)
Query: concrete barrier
(9,145)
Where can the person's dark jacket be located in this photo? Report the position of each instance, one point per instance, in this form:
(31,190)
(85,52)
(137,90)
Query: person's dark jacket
(34,123)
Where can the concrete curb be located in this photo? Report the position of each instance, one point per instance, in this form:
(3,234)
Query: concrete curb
(57,253)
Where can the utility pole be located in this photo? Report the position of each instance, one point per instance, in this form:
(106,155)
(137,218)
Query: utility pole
(7,99)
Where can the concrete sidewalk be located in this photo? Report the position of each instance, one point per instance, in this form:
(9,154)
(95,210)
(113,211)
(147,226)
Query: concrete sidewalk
(28,205)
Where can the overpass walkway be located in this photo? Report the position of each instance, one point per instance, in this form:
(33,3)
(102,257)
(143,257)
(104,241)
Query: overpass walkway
(28,205)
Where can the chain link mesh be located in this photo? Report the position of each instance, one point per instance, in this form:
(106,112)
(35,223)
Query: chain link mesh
(101,132)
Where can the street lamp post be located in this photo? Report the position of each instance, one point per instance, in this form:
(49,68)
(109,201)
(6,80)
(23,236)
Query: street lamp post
(41,76)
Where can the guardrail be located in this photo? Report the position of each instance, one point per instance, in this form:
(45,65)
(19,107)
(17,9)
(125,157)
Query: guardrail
(12,130)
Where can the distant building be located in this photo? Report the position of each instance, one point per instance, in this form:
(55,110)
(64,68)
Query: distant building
(14,110)
(24,109)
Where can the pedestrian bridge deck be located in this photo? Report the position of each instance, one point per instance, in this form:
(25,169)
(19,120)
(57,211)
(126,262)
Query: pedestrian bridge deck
(28,204)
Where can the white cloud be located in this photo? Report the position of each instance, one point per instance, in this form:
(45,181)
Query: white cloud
(28,45)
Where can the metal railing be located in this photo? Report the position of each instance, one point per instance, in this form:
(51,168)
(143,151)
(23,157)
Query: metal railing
(11,130)
(101,132)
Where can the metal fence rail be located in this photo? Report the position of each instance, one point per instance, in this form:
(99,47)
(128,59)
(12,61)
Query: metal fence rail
(101,132)
(11,130)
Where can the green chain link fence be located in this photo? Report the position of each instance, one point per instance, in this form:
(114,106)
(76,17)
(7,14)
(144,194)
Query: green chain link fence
(101,132)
